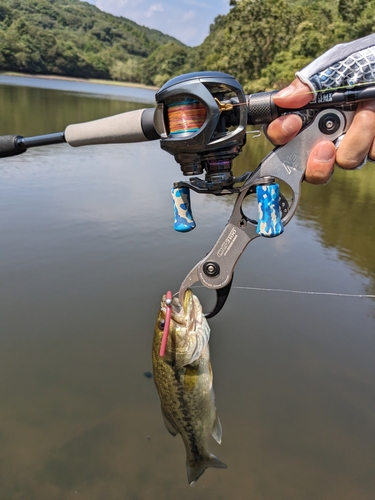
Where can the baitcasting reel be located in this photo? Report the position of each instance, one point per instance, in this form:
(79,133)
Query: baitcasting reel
(201,119)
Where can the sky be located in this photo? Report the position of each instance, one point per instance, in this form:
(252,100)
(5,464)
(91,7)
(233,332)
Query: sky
(187,20)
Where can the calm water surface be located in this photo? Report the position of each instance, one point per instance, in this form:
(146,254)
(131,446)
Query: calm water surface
(87,248)
(118,92)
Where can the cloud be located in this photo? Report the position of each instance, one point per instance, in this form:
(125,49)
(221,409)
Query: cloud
(154,8)
(202,5)
(111,6)
(189,15)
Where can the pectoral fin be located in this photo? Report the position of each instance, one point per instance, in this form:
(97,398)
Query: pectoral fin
(170,427)
(217,431)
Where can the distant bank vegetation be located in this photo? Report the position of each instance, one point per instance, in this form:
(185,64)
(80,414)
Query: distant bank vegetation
(260,42)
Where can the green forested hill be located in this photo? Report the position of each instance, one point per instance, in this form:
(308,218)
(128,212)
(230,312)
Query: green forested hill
(263,42)
(260,42)
(74,38)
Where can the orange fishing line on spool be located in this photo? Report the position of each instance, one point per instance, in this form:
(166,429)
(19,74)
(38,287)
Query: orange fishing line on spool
(186,117)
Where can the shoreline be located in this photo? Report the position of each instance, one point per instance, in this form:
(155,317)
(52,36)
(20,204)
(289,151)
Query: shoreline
(84,80)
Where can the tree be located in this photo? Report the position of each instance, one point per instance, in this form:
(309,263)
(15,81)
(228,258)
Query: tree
(255,31)
(164,63)
(129,71)
(351,10)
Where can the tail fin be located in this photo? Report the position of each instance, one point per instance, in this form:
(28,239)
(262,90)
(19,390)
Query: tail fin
(196,469)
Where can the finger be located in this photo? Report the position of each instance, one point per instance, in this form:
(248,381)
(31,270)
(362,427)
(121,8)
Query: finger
(284,129)
(320,163)
(296,95)
(371,153)
(359,139)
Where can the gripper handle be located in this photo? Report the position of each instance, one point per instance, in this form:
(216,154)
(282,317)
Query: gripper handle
(269,220)
(183,216)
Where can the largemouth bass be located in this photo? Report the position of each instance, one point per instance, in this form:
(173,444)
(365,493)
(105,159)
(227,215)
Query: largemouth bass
(183,379)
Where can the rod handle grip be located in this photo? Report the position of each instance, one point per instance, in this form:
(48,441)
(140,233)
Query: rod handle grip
(124,128)
(11,145)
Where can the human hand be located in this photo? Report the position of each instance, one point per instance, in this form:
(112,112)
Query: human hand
(358,142)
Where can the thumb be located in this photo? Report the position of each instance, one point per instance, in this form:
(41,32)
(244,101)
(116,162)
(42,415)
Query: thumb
(296,95)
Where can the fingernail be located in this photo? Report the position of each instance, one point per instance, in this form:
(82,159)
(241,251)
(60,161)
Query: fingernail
(324,153)
(290,125)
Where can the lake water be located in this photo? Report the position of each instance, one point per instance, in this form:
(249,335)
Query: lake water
(87,248)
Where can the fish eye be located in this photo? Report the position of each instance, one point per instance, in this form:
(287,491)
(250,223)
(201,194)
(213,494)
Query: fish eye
(161,324)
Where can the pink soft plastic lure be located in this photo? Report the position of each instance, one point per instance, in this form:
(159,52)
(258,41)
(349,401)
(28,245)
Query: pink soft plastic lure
(167,322)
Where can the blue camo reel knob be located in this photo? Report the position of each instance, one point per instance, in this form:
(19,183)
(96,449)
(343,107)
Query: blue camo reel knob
(183,216)
(269,220)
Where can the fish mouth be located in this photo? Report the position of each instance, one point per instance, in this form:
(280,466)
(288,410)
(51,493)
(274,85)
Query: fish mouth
(183,314)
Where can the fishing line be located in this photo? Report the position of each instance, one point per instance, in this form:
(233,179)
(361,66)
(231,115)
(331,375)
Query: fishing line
(343,87)
(304,292)
(319,91)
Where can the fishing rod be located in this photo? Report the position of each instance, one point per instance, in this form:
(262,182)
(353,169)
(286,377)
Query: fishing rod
(148,124)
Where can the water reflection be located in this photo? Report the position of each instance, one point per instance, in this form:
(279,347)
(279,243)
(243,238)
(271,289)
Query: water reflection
(86,250)
(341,212)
